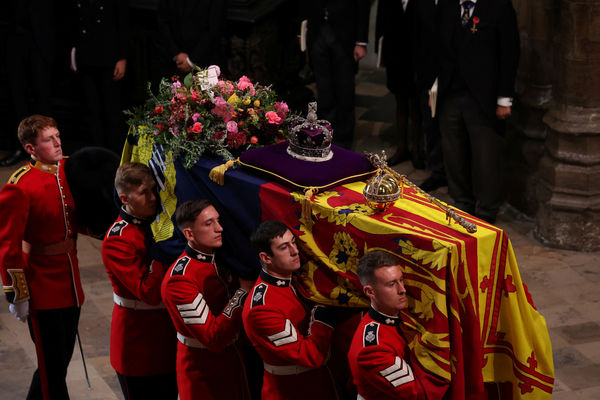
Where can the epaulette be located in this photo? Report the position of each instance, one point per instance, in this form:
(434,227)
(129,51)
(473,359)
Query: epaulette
(179,267)
(258,294)
(117,228)
(371,334)
(18,174)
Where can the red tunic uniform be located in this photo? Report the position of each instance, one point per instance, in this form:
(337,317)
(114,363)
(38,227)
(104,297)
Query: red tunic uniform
(143,340)
(378,360)
(208,322)
(37,236)
(276,322)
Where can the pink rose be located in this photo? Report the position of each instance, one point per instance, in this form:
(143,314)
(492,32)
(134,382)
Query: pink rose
(222,109)
(273,118)
(281,107)
(245,83)
(195,95)
(225,88)
(232,127)
(195,117)
(197,127)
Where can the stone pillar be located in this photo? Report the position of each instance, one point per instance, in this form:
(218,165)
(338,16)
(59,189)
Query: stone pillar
(537,22)
(568,213)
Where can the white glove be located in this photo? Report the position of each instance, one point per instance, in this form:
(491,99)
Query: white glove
(20,310)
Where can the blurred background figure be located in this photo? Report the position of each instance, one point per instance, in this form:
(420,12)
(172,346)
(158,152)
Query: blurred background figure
(336,39)
(30,50)
(395,31)
(99,32)
(190,34)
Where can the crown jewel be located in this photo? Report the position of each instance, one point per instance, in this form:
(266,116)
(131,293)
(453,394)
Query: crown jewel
(310,138)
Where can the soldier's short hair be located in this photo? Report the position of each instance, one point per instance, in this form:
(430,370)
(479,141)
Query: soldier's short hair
(131,175)
(264,233)
(28,129)
(186,213)
(370,262)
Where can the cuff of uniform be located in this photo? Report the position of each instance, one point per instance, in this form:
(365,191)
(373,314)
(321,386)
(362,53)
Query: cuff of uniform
(504,101)
(325,315)
(362,44)
(190,63)
(236,301)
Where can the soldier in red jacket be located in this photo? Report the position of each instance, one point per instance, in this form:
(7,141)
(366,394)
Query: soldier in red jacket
(294,347)
(38,257)
(143,341)
(206,310)
(379,356)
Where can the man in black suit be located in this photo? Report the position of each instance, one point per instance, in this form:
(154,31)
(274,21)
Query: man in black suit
(479,56)
(190,33)
(425,54)
(395,29)
(337,38)
(99,56)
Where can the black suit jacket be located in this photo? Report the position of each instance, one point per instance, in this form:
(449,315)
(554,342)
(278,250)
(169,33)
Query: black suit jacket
(349,19)
(194,27)
(425,43)
(396,27)
(101,32)
(485,58)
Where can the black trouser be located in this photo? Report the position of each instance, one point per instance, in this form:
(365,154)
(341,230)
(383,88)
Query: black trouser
(433,139)
(57,330)
(163,386)
(334,70)
(473,148)
(104,115)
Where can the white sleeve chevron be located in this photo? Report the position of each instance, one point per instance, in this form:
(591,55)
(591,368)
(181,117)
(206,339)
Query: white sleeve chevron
(195,312)
(398,373)
(287,335)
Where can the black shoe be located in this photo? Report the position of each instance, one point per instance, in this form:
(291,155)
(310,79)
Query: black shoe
(14,158)
(433,182)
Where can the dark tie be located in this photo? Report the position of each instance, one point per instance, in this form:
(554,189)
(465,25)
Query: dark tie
(466,5)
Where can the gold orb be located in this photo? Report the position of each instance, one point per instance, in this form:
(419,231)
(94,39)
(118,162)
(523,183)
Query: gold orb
(381,191)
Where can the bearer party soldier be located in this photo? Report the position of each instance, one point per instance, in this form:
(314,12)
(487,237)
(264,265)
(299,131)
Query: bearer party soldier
(380,360)
(206,310)
(293,345)
(38,256)
(143,341)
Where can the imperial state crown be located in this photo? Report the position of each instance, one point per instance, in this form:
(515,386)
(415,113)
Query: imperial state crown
(310,138)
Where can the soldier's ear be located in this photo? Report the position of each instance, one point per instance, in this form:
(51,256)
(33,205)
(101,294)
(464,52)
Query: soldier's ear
(124,199)
(188,233)
(369,291)
(264,258)
(29,148)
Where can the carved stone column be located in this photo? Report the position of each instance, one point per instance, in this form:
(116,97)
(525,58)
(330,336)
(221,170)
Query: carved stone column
(537,22)
(569,189)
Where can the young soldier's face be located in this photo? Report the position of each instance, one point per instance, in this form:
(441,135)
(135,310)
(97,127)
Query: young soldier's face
(47,147)
(141,201)
(205,234)
(285,257)
(388,294)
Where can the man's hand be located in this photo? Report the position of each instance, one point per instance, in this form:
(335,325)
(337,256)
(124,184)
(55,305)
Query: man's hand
(246,285)
(502,112)
(20,310)
(181,62)
(359,52)
(119,71)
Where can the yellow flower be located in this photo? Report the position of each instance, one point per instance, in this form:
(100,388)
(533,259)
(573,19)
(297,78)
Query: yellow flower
(256,103)
(246,102)
(233,99)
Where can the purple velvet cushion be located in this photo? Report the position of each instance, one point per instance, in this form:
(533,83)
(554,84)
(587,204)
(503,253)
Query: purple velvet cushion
(341,168)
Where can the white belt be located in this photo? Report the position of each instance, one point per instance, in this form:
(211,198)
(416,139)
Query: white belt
(285,369)
(190,341)
(135,304)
